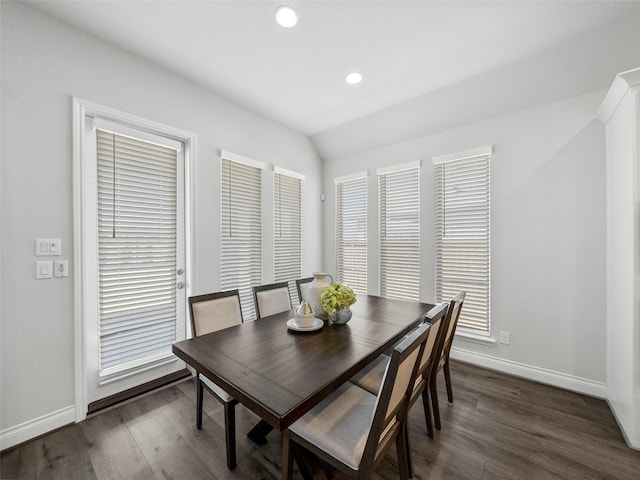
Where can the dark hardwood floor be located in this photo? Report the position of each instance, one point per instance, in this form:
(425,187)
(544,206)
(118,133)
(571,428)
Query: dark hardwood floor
(499,427)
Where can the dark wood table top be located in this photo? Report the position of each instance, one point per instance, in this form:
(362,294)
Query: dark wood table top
(280,374)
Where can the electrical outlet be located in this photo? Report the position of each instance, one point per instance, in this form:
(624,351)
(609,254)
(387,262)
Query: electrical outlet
(61,268)
(504,338)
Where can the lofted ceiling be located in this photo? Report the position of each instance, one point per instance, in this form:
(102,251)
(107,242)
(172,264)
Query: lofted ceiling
(296,76)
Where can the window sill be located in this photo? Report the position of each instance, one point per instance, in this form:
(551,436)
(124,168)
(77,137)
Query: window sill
(475,338)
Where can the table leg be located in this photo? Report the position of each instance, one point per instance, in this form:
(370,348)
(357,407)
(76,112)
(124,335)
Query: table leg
(287,457)
(258,433)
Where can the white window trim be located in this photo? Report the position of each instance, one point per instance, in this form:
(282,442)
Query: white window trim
(81,269)
(289,173)
(348,178)
(241,159)
(476,152)
(398,168)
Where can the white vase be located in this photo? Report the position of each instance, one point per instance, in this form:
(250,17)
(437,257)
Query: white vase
(314,290)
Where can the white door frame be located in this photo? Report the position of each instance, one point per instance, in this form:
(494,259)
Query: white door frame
(81,109)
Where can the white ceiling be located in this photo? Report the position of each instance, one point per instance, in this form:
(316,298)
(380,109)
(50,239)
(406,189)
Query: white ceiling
(404,49)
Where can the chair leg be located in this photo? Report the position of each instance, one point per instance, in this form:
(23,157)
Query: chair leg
(408,446)
(199,394)
(230,432)
(427,411)
(434,402)
(404,461)
(447,379)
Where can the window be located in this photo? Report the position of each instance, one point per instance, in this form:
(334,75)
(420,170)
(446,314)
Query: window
(463,234)
(287,226)
(399,227)
(351,232)
(241,228)
(137,249)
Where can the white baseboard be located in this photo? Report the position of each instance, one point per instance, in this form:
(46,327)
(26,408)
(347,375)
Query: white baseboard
(626,434)
(38,426)
(541,375)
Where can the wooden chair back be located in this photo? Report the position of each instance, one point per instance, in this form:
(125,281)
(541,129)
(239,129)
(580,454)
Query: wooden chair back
(271,299)
(393,398)
(435,317)
(452,322)
(214,311)
(301,287)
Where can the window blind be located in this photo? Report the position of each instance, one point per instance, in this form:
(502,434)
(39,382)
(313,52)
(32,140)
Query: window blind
(241,231)
(462,237)
(137,245)
(351,233)
(287,228)
(399,227)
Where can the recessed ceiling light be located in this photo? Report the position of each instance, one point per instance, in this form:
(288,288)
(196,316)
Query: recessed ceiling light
(354,78)
(286,16)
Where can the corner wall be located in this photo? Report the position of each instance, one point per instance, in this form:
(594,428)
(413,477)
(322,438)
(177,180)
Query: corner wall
(548,228)
(44,64)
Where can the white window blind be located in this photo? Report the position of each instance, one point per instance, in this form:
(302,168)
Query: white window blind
(241,231)
(136,249)
(351,232)
(463,235)
(399,227)
(287,227)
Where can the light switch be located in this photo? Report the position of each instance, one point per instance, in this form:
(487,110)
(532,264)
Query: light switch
(48,246)
(54,246)
(44,270)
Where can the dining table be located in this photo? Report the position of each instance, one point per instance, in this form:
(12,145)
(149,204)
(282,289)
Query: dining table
(280,373)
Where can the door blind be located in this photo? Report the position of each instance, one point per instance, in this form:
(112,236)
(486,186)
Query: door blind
(351,233)
(462,237)
(241,231)
(287,228)
(137,245)
(399,215)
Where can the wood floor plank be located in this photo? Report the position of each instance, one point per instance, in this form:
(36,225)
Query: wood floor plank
(209,442)
(18,463)
(498,428)
(167,452)
(114,453)
(63,454)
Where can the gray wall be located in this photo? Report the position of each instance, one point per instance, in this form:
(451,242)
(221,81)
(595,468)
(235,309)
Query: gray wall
(45,64)
(547,234)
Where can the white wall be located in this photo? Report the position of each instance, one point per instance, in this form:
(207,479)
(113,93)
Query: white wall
(575,67)
(45,64)
(547,233)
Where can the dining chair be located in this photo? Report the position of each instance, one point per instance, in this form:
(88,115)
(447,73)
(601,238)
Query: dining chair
(351,429)
(209,313)
(271,299)
(370,378)
(442,362)
(301,287)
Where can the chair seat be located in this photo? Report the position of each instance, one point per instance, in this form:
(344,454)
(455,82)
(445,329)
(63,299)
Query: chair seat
(340,424)
(370,377)
(216,390)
